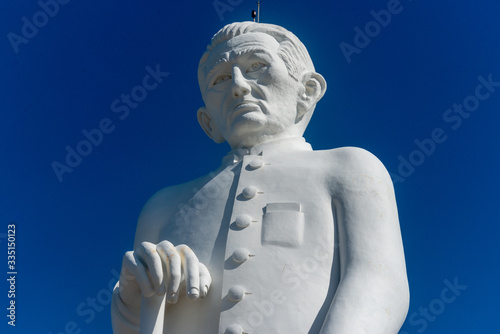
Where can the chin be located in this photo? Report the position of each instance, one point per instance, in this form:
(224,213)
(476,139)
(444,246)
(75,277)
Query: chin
(250,116)
(247,123)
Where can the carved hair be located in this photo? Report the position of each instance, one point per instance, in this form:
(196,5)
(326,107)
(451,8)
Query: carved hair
(291,50)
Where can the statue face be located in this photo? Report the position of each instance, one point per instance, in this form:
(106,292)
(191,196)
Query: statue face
(249,95)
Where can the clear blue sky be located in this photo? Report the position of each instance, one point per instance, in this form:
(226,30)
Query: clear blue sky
(389,92)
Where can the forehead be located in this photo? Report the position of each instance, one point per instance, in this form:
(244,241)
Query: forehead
(240,44)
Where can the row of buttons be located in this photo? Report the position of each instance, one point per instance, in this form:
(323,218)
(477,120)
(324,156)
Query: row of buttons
(237,293)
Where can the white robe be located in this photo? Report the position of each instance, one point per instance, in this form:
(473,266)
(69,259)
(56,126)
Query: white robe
(278,271)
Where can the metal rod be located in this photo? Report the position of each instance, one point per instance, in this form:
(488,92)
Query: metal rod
(258,11)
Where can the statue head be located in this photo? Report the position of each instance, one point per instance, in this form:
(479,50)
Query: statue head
(258,83)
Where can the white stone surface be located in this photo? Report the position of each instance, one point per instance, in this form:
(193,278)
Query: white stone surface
(281,238)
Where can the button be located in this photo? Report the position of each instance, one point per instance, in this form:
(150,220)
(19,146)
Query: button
(256,163)
(236,293)
(243,221)
(234,329)
(240,255)
(249,192)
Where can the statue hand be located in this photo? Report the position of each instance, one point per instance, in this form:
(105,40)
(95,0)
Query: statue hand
(163,267)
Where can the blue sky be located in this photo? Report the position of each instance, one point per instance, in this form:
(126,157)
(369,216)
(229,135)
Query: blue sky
(396,91)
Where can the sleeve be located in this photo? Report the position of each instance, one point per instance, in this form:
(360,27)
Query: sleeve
(124,319)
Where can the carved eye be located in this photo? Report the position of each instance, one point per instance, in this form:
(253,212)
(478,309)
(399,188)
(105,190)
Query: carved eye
(221,79)
(255,67)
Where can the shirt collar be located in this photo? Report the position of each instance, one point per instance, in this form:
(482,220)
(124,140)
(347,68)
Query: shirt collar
(269,148)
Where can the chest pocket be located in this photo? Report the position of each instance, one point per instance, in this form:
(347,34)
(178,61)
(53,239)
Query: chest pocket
(283,225)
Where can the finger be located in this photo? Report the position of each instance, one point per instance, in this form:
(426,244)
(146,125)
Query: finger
(135,267)
(148,254)
(191,271)
(205,280)
(172,261)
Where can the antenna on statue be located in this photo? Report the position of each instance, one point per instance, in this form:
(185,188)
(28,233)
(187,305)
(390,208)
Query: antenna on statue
(256,14)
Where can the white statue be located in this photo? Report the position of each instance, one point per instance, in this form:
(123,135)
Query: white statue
(281,238)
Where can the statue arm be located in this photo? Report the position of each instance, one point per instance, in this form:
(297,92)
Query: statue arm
(372,296)
(146,270)
(126,303)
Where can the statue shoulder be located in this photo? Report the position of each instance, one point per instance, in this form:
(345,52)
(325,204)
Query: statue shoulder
(160,207)
(355,160)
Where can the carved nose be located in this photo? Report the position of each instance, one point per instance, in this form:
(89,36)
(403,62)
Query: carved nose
(240,85)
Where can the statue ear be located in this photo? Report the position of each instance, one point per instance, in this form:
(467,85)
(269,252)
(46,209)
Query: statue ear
(314,89)
(208,126)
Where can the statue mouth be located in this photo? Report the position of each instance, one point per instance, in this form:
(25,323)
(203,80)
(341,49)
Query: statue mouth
(245,106)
